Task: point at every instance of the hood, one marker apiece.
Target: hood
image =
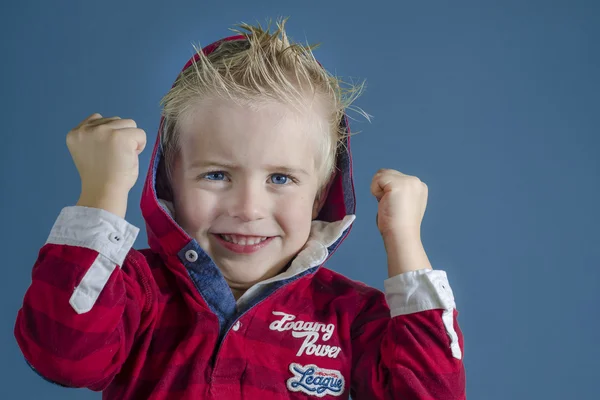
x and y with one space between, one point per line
168 239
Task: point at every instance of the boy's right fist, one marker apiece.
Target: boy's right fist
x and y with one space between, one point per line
106 154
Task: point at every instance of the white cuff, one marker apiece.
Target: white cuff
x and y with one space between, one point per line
421 290
96 229
414 291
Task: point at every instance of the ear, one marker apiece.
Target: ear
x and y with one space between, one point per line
317 205
163 188
321 197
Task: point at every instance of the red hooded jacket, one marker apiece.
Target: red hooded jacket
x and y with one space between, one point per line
162 323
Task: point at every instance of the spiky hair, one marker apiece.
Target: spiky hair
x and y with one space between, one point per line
263 66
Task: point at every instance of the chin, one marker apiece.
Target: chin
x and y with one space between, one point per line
246 279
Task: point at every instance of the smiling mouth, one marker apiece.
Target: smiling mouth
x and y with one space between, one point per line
243 240
242 244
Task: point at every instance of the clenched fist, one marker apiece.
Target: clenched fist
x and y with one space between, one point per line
402 202
106 154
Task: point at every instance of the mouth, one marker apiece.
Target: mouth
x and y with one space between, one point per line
242 244
243 239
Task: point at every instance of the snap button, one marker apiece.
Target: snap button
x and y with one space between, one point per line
191 255
115 238
236 326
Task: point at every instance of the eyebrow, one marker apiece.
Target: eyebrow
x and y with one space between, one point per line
204 164
225 165
286 170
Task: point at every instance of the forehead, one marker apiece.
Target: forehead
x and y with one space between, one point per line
272 133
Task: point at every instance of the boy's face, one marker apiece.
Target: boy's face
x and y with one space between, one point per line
243 176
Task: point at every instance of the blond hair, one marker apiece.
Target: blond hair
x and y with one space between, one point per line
260 67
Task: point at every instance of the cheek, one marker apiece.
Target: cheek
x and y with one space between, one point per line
195 210
295 213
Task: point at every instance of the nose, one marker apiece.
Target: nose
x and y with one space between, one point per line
248 201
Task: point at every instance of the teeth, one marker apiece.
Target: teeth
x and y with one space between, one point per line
244 240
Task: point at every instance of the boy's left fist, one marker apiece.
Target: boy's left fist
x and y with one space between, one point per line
402 201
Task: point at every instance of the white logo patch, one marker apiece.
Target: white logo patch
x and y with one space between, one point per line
310 331
315 381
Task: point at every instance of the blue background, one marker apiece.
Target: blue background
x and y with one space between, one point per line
493 104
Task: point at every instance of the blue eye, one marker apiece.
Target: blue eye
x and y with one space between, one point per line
279 179
215 176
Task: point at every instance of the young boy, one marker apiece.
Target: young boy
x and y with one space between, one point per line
248 193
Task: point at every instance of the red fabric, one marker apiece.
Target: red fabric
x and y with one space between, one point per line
151 335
